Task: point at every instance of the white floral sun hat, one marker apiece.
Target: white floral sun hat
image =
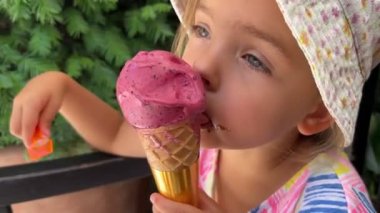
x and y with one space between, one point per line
341 41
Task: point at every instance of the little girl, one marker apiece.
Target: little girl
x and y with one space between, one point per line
283 85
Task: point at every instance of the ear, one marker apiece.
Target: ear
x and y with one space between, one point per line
318 120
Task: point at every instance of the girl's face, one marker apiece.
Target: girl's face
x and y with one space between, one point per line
258 83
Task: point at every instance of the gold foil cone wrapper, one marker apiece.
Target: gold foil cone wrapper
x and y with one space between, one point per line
172 153
180 186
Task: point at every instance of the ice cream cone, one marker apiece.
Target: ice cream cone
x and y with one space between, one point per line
163 98
172 153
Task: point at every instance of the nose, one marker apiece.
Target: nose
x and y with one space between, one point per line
208 67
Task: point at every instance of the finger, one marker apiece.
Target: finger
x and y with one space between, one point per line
165 205
206 203
15 120
29 123
155 210
47 117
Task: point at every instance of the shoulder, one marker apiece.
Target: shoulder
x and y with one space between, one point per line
334 186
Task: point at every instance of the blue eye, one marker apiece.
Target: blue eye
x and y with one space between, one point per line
255 63
200 31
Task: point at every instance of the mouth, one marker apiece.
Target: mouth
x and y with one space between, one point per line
206 122
209 125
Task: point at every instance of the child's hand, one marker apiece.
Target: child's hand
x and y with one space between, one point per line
36 105
164 205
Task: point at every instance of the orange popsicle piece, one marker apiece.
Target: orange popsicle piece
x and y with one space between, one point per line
41 146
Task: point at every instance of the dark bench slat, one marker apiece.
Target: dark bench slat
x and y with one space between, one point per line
6 209
44 179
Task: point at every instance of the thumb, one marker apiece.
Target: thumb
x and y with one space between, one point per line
208 204
163 204
44 127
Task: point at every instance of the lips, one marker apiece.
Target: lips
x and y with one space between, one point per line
205 121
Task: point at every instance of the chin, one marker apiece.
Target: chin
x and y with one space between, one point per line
209 140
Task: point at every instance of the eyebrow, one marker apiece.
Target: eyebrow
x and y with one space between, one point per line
250 29
203 8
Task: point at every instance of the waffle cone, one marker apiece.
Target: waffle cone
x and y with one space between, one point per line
172 152
170 148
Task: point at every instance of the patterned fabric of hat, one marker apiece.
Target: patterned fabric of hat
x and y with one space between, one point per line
341 41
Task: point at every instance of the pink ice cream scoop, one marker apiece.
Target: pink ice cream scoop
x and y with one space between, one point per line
157 88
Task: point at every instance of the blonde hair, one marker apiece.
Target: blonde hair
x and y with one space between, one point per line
332 138
181 37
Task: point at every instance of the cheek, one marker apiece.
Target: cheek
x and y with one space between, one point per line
192 50
257 117
187 56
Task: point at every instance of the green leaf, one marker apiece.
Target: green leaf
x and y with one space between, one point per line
48 11
143 21
20 36
95 6
86 63
97 18
12 81
17 9
17 80
5 81
44 39
75 23
148 13
162 7
133 23
161 32
36 66
73 67
76 64
103 74
4 67
117 50
5 39
138 44
9 54
102 82
94 40
107 5
85 6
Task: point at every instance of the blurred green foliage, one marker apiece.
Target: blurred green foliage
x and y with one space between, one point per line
371 173
88 39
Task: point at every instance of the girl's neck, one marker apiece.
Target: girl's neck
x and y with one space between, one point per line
267 158
252 175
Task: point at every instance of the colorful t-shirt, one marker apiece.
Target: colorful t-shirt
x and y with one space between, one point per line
328 183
